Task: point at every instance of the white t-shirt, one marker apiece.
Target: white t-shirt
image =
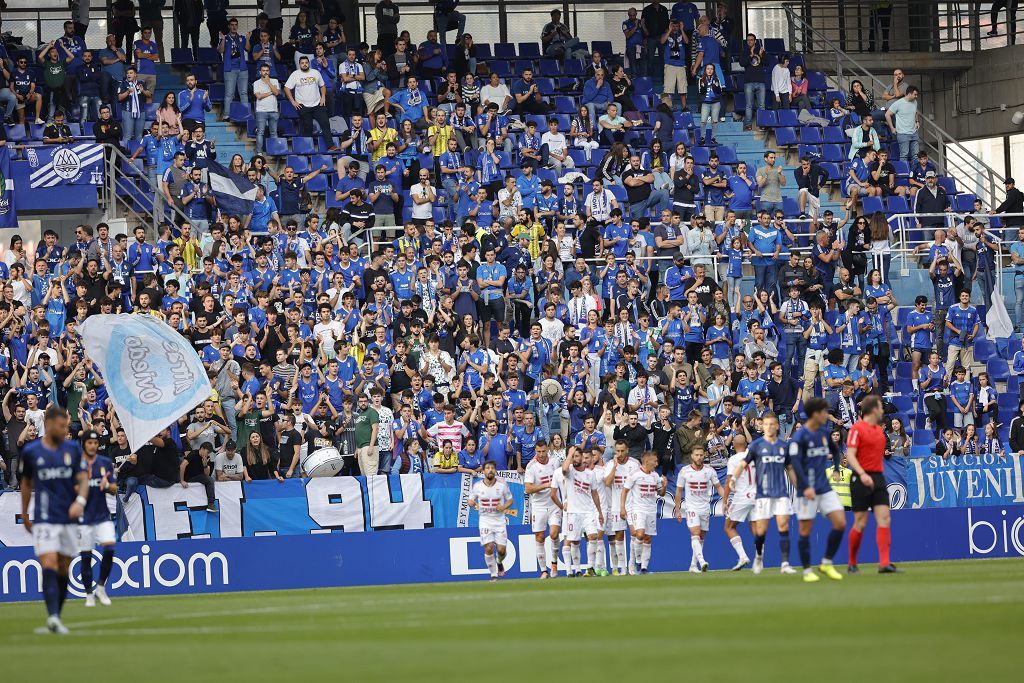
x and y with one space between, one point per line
328 332
697 486
231 467
643 488
265 103
597 481
426 210
490 93
600 205
552 330
744 488
488 500
554 141
641 395
305 86
350 69
580 484
622 472
385 435
537 473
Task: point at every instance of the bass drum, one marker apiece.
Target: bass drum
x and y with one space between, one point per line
323 462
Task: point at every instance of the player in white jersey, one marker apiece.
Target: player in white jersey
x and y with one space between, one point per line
616 471
492 499
643 488
695 483
583 507
599 561
740 505
545 516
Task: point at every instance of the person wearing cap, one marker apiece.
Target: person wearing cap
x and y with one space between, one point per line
195 469
1013 203
228 465
931 199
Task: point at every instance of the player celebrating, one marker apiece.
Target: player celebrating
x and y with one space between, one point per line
771 457
696 483
616 472
599 561
96 527
738 507
583 508
545 517
645 487
864 449
491 498
54 469
811 451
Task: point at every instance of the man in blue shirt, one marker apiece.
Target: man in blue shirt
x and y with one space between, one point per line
770 455
811 453
741 193
234 47
963 323
943 273
490 277
194 102
114 62
765 244
412 103
527 95
715 183
54 470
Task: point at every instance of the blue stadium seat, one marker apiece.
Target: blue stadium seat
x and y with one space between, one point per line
727 155
503 69
785 137
872 204
181 56
700 155
831 169
684 120
302 145
604 47
299 163
276 147
809 150
998 369
506 51
317 184
767 118
816 82
948 184
897 204
834 135
923 437
788 118
240 112
529 50
963 202
775 46
790 206
209 55
643 86
619 192
833 154
483 52
810 135
901 166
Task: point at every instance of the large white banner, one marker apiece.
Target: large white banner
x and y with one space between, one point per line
153 374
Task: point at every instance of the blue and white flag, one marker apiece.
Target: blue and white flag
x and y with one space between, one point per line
8 214
153 374
76 164
234 193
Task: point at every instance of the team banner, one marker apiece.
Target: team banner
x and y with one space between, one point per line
153 374
194 566
75 164
963 481
8 212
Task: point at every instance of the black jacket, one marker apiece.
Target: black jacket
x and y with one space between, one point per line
1017 434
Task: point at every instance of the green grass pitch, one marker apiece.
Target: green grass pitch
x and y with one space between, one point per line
940 621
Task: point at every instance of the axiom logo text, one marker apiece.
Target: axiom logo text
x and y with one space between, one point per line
139 570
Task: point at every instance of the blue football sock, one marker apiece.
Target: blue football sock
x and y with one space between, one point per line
835 537
784 545
804 546
51 592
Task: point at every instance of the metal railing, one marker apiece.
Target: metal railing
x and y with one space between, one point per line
119 189
909 25
957 160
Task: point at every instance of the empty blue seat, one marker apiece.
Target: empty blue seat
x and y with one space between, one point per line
813 151
816 82
505 51
643 86
767 118
835 135
317 183
923 437
897 204
529 50
948 184
501 68
810 135
700 155
276 147
963 203
785 137
302 145
998 369
299 163
872 204
727 155
832 153
832 170
788 118
775 46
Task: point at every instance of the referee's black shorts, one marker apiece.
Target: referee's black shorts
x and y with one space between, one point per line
863 498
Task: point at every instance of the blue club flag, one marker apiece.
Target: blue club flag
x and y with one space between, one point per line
234 193
8 214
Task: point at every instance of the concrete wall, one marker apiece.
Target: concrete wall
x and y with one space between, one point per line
997 77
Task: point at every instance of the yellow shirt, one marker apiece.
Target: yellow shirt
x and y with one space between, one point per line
385 136
443 462
440 144
535 232
189 252
841 487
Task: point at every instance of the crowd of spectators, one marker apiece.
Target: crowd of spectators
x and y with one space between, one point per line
463 300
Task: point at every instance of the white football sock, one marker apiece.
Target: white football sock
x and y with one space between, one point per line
698 553
737 545
542 557
492 565
634 546
645 555
592 554
602 555
574 557
620 555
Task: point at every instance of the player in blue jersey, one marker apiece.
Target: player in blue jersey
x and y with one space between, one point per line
96 527
811 452
53 468
771 462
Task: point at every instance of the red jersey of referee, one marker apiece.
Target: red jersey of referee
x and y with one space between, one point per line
869 440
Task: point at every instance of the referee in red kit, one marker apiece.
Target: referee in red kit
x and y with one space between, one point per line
865 448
